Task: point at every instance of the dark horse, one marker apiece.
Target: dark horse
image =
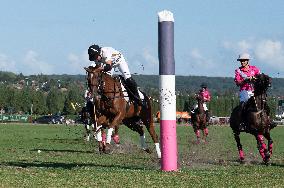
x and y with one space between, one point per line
255 116
199 120
112 108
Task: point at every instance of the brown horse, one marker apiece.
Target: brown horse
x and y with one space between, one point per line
256 118
199 120
112 108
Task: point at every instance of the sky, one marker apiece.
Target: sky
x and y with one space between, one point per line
52 36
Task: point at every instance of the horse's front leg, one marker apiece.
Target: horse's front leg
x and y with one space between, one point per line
205 134
100 135
115 136
262 148
116 121
197 132
239 145
270 141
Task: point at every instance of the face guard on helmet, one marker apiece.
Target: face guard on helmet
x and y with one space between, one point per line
94 51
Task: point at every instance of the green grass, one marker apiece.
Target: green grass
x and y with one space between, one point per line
66 160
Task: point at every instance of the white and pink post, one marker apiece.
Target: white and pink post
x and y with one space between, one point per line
167 91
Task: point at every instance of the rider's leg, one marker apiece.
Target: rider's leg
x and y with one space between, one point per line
194 108
130 82
206 112
133 88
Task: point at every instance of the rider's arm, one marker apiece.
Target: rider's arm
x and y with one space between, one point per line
108 66
239 80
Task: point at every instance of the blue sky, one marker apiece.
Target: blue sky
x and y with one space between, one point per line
52 36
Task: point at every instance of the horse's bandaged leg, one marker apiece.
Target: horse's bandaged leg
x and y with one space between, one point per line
93 126
116 138
241 154
99 136
87 127
206 131
158 150
197 133
103 136
109 133
261 146
142 142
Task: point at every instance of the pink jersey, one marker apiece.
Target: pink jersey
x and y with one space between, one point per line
205 95
241 74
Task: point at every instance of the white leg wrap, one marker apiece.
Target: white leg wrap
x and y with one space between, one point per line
158 150
88 127
99 136
93 126
142 142
109 133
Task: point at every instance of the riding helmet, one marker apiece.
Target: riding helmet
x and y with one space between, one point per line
94 51
203 85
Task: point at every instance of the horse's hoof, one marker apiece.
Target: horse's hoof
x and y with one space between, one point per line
147 150
107 149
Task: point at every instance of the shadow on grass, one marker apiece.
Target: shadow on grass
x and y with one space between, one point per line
70 166
61 151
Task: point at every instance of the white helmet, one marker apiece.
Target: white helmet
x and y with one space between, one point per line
244 56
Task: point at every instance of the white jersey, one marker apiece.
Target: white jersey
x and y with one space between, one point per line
110 54
117 59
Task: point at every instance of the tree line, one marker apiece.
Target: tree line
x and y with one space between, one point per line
51 94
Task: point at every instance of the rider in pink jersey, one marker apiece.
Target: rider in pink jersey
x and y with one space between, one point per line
206 96
243 76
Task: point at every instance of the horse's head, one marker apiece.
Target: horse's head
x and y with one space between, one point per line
93 78
261 83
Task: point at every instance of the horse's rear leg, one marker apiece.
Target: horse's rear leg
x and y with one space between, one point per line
239 145
197 133
151 129
205 134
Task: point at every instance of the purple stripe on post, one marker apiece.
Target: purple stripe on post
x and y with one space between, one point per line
166 48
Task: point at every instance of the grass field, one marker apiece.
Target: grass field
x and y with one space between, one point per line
57 156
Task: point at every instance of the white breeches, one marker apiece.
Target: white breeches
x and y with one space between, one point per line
204 106
245 95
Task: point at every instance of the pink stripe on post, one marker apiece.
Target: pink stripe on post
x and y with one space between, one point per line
169 145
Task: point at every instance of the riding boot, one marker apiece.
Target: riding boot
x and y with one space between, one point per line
132 86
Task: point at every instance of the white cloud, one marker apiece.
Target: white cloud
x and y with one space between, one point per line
7 64
149 57
271 53
238 47
77 63
33 65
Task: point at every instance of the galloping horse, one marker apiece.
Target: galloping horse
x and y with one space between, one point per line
199 120
112 108
256 118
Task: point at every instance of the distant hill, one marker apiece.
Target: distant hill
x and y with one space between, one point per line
150 83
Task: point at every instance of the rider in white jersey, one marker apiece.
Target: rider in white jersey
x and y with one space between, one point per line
110 59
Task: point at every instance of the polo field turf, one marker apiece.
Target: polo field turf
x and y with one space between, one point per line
57 155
